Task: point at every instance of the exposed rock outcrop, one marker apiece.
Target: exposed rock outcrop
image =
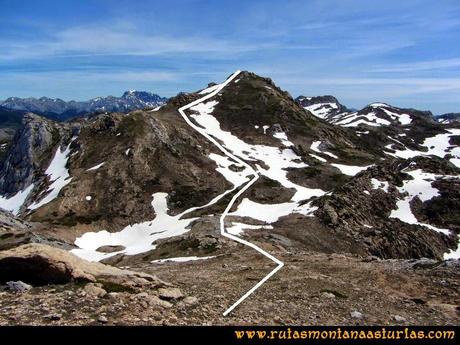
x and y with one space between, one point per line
39 264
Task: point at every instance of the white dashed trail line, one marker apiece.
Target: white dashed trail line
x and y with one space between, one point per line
255 175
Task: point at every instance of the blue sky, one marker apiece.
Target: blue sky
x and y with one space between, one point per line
406 53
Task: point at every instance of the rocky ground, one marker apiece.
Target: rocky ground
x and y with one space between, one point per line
312 289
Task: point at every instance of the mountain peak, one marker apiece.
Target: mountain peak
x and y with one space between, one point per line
324 107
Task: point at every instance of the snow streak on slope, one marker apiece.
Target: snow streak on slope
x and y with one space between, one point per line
183 259
350 170
355 119
322 110
58 175
96 166
277 160
315 147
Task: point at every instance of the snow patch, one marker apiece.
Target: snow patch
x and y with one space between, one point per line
350 170
270 213
136 238
276 160
403 119
223 167
321 110
283 138
437 146
453 254
15 202
238 228
377 184
183 259
419 186
369 119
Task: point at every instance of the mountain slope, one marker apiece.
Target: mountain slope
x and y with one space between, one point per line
324 107
373 115
122 185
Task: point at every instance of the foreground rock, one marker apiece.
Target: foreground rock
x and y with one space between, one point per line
381 292
39 264
18 286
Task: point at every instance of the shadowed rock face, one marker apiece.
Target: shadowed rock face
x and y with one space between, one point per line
34 270
32 147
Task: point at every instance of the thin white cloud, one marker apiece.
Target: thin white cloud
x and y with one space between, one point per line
419 66
110 75
118 40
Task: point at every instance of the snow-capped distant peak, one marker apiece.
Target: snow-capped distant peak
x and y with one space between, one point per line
373 115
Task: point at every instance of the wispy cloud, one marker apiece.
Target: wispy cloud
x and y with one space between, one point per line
419 66
119 39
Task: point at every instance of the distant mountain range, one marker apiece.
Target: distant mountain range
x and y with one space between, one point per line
326 107
58 109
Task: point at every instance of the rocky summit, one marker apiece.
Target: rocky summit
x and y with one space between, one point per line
145 216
